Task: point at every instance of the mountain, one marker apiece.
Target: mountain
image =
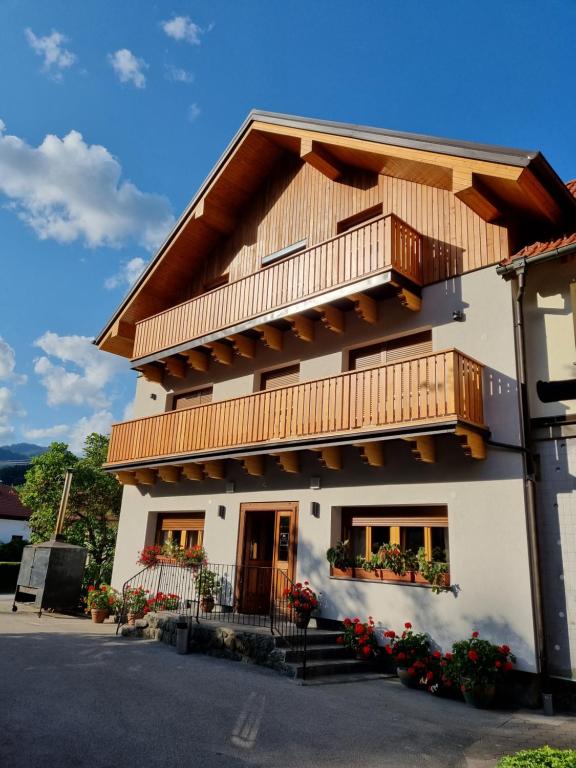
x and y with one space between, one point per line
20 451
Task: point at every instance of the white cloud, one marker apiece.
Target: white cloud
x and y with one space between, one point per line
9 409
193 112
181 28
85 383
128 67
66 190
56 57
99 422
179 75
127 275
8 364
47 433
2 126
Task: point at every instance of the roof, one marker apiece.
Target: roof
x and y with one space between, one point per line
11 508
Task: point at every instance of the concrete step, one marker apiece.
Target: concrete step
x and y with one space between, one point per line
316 637
318 668
318 652
351 677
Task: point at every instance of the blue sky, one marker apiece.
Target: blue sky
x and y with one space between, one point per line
114 112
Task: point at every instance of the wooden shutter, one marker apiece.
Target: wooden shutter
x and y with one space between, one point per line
391 351
189 522
368 357
404 517
196 397
280 377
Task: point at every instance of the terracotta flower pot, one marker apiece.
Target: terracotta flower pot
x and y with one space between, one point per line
407 679
99 614
131 617
301 619
207 604
479 696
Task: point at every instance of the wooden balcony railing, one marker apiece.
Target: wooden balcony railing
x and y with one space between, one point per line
380 245
430 389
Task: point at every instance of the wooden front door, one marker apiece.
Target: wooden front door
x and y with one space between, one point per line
266 553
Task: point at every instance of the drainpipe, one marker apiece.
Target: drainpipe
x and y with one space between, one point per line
530 491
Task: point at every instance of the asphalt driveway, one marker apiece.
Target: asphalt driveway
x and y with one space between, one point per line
73 694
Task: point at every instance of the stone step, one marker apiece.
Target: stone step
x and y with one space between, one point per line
318 652
316 637
351 677
318 668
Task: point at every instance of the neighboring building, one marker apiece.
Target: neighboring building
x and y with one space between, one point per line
14 515
544 276
326 351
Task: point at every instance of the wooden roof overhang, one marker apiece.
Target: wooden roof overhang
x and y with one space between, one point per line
513 187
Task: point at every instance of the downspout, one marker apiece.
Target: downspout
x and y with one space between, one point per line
529 483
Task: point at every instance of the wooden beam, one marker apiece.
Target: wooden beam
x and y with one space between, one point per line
214 216
289 461
332 318
472 443
123 330
330 457
193 472
176 367
423 448
271 336
126 478
198 360
152 372
253 465
313 153
410 300
214 469
302 327
540 197
146 476
169 474
222 353
468 188
245 346
366 308
372 453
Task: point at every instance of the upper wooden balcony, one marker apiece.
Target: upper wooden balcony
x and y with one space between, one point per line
380 256
439 392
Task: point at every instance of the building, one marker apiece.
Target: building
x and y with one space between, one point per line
14 516
326 352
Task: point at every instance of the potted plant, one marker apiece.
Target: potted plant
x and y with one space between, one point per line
477 666
340 559
359 636
192 557
435 572
303 601
135 599
149 555
162 602
410 651
101 601
207 584
169 553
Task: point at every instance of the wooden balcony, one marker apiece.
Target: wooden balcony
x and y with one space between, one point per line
441 392
383 252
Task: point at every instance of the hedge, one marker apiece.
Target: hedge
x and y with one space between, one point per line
545 757
8 576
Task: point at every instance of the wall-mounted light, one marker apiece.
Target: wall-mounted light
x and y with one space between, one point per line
221 512
153 396
315 509
230 486
315 484
458 315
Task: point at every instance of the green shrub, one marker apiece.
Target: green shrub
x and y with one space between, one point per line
8 576
545 757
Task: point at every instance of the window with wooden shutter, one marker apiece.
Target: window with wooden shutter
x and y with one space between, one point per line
391 351
195 397
280 377
184 530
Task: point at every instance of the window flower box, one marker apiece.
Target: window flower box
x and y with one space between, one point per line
341 573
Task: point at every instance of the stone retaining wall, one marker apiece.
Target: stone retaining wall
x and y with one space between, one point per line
218 640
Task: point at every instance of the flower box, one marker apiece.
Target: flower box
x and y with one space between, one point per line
341 573
164 560
384 574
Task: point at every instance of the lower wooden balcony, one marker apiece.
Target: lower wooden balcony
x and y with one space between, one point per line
436 392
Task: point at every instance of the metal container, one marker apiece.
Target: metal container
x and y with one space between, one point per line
51 575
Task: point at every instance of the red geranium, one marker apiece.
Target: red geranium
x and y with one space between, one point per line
359 636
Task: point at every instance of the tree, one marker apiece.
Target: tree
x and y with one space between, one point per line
93 506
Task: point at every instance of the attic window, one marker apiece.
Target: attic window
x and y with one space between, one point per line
359 218
290 250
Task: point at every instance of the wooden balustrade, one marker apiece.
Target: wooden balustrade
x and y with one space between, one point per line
430 389
375 247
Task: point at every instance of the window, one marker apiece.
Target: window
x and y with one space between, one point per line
368 528
290 250
186 530
280 377
391 351
359 218
195 397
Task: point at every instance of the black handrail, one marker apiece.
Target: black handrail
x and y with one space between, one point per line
239 594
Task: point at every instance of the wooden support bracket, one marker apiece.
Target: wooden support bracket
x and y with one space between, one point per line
193 472
169 474
468 188
176 367
366 308
199 361
330 457
289 461
332 318
302 326
245 346
253 465
152 372
126 478
423 448
146 476
372 453
214 469
222 353
472 443
313 153
271 336
410 300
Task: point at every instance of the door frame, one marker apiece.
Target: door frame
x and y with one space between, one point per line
272 506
